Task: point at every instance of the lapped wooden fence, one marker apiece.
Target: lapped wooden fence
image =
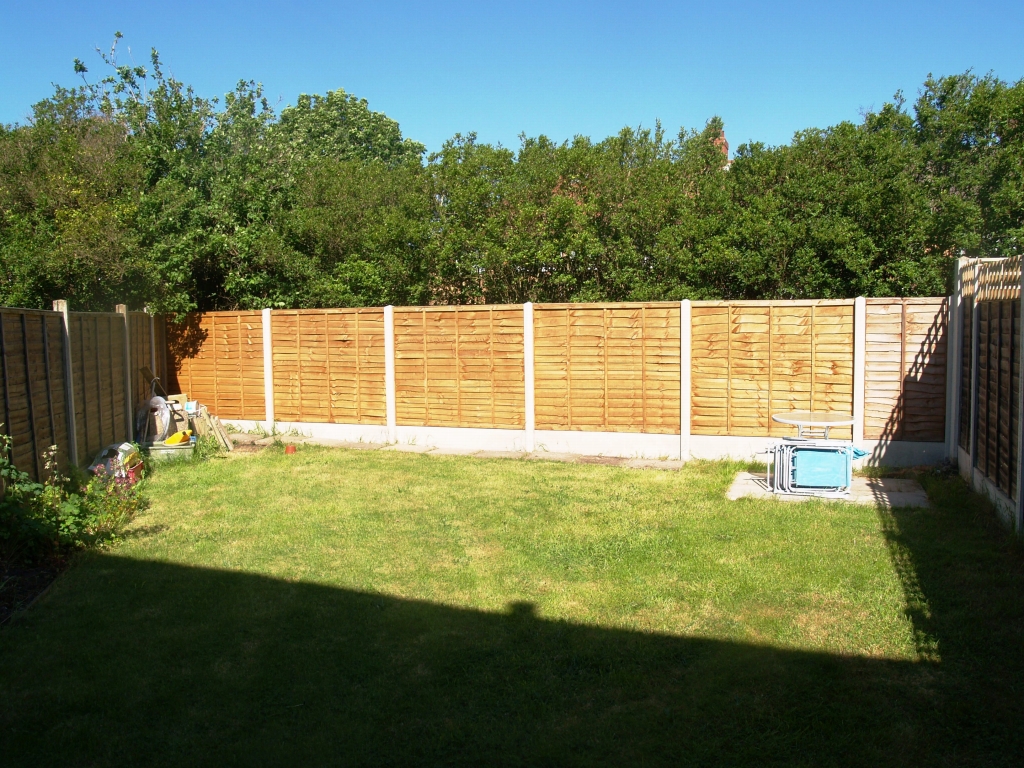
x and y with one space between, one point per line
989 371
73 379
612 368
905 369
753 359
34 398
219 359
329 365
580 367
700 369
458 367
98 364
593 367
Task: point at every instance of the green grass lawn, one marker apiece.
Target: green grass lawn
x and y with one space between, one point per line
363 607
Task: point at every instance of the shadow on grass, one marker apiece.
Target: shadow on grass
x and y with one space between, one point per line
133 662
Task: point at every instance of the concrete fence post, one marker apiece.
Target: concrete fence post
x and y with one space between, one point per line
954 346
122 310
685 373
268 370
860 349
974 330
389 373
60 305
530 420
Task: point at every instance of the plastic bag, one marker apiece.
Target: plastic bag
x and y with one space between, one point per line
121 462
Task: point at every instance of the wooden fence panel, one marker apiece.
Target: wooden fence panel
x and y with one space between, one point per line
164 363
607 367
97 364
998 391
709 368
751 383
217 359
905 370
141 347
598 367
51 386
329 366
750 360
32 403
460 367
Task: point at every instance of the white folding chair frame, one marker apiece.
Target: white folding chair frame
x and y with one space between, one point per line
781 461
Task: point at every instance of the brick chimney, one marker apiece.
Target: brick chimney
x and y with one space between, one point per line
723 144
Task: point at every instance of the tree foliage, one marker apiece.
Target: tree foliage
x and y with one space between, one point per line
340 126
135 188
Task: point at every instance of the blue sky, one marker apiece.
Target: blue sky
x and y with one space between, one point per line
768 69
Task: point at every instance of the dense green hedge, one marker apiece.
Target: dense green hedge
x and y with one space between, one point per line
135 188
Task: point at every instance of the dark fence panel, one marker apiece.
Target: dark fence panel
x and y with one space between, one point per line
998 390
32 401
97 365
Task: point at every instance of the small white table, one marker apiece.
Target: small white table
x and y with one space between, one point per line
814 423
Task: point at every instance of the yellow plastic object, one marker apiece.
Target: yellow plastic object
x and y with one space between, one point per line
179 437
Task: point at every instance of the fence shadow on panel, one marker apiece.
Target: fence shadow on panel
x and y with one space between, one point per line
917 401
185 340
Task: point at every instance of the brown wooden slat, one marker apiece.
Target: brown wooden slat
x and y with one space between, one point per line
217 359
754 359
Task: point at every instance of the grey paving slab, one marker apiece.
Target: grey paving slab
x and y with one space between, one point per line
885 491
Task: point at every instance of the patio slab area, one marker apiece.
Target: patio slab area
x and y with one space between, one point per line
883 491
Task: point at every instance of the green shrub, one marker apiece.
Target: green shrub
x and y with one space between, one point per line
49 520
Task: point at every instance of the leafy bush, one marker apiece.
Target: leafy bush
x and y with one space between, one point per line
137 189
49 520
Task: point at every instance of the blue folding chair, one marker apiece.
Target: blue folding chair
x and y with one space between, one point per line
812 467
